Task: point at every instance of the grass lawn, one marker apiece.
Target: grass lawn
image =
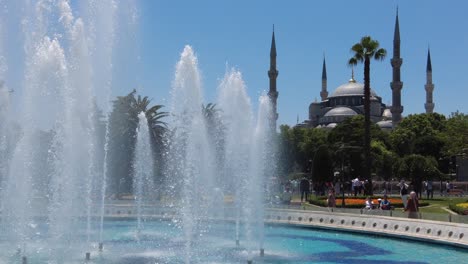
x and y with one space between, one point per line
436 205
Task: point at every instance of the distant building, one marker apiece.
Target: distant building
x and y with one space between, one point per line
272 75
348 99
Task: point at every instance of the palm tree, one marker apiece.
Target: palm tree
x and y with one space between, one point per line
364 51
123 122
153 115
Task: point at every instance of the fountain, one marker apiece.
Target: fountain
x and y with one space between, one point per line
52 169
54 173
192 152
143 168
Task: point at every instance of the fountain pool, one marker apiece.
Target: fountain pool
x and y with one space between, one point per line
163 241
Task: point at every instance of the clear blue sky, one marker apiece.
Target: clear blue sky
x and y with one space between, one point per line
238 33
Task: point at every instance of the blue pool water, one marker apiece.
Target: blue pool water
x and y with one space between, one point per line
163 242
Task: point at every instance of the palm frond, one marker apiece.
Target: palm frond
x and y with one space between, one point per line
352 61
380 54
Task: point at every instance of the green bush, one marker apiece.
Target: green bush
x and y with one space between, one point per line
459 208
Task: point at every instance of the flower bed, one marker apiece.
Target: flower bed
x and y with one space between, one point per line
359 202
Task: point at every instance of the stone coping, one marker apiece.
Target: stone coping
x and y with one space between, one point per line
454 234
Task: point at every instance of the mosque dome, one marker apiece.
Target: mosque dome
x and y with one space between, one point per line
340 111
387 114
385 124
351 88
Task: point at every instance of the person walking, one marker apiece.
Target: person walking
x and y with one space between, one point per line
331 201
403 192
304 187
429 189
412 206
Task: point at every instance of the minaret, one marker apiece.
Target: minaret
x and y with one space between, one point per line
396 83
429 105
324 92
273 74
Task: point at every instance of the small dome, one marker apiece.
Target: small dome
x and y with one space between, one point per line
331 125
385 124
340 111
387 114
351 89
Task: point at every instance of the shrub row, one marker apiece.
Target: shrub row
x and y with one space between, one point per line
461 208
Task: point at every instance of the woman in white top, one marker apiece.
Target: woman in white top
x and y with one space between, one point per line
369 203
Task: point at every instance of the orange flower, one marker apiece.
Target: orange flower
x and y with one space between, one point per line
362 201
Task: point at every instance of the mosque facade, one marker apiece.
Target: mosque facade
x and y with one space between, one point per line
347 100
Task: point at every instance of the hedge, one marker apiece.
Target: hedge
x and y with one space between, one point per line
460 208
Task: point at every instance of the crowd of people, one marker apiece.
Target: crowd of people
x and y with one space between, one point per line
410 193
410 199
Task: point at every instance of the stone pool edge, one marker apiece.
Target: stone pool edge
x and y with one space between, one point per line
452 234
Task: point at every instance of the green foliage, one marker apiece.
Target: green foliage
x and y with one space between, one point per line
423 124
456 134
297 147
422 146
123 121
417 168
461 210
402 141
351 132
367 47
421 134
215 129
322 168
383 160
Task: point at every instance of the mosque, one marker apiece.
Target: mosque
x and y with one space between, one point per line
348 99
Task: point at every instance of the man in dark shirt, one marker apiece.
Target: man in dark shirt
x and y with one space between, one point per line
304 188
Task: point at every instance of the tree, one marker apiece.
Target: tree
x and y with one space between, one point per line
297 147
364 51
456 134
123 121
322 166
158 129
349 136
383 159
215 129
286 154
121 145
417 168
423 134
